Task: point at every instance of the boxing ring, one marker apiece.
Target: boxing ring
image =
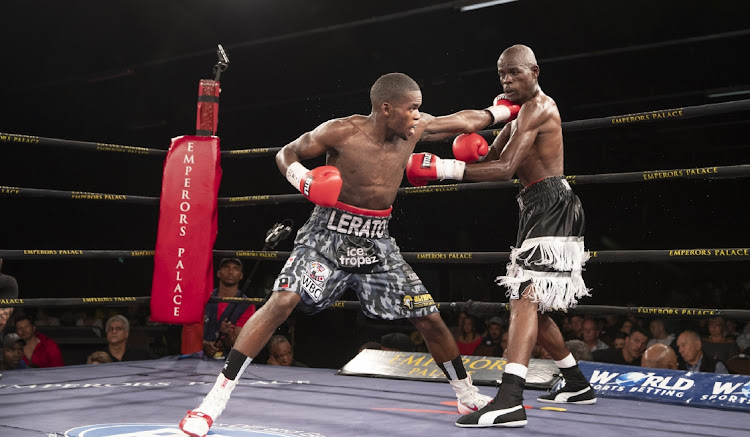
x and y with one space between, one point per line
149 397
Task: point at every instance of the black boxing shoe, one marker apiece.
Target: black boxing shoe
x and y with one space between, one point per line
505 410
570 395
576 389
513 416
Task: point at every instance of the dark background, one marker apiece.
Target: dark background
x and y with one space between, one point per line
127 73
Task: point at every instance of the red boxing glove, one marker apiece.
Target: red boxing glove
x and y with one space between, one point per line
469 147
322 185
500 100
423 167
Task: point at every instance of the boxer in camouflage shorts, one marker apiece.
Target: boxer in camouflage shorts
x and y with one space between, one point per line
345 243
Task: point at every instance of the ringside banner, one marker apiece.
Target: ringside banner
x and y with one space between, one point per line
715 390
183 260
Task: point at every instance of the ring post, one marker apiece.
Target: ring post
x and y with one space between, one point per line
183 259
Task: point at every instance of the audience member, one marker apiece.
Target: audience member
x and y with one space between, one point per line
659 333
118 331
631 352
490 344
619 341
580 350
659 356
575 328
99 357
731 329
40 350
717 345
223 321
626 325
396 341
692 357
468 339
43 318
458 327
591 336
94 319
12 352
280 352
8 290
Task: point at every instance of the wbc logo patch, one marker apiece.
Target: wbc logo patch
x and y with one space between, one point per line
314 280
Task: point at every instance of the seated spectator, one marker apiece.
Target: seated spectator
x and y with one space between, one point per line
458 327
118 331
631 352
591 336
659 356
619 341
12 352
99 357
8 290
575 329
92 319
42 318
659 333
692 357
717 345
223 320
396 341
490 345
626 325
468 339
580 350
40 350
280 352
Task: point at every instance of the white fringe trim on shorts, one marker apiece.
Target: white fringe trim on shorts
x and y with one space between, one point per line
558 290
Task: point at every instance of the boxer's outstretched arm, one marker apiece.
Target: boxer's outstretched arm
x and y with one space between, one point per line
468 120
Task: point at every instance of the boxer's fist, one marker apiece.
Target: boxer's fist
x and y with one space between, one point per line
469 147
423 167
500 100
322 185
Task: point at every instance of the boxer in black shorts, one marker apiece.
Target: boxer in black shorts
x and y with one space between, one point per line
345 243
544 272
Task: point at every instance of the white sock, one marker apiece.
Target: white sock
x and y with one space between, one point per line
566 362
516 369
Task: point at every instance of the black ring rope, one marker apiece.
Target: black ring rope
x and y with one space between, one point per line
568 126
479 309
597 256
716 172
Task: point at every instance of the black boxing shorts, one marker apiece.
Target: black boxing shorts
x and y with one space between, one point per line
349 247
549 252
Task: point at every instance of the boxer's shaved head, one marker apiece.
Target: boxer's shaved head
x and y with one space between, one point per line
518 54
391 88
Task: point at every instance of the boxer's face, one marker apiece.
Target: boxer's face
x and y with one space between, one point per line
404 116
518 80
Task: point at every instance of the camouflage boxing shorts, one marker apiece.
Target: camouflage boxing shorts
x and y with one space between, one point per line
349 247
